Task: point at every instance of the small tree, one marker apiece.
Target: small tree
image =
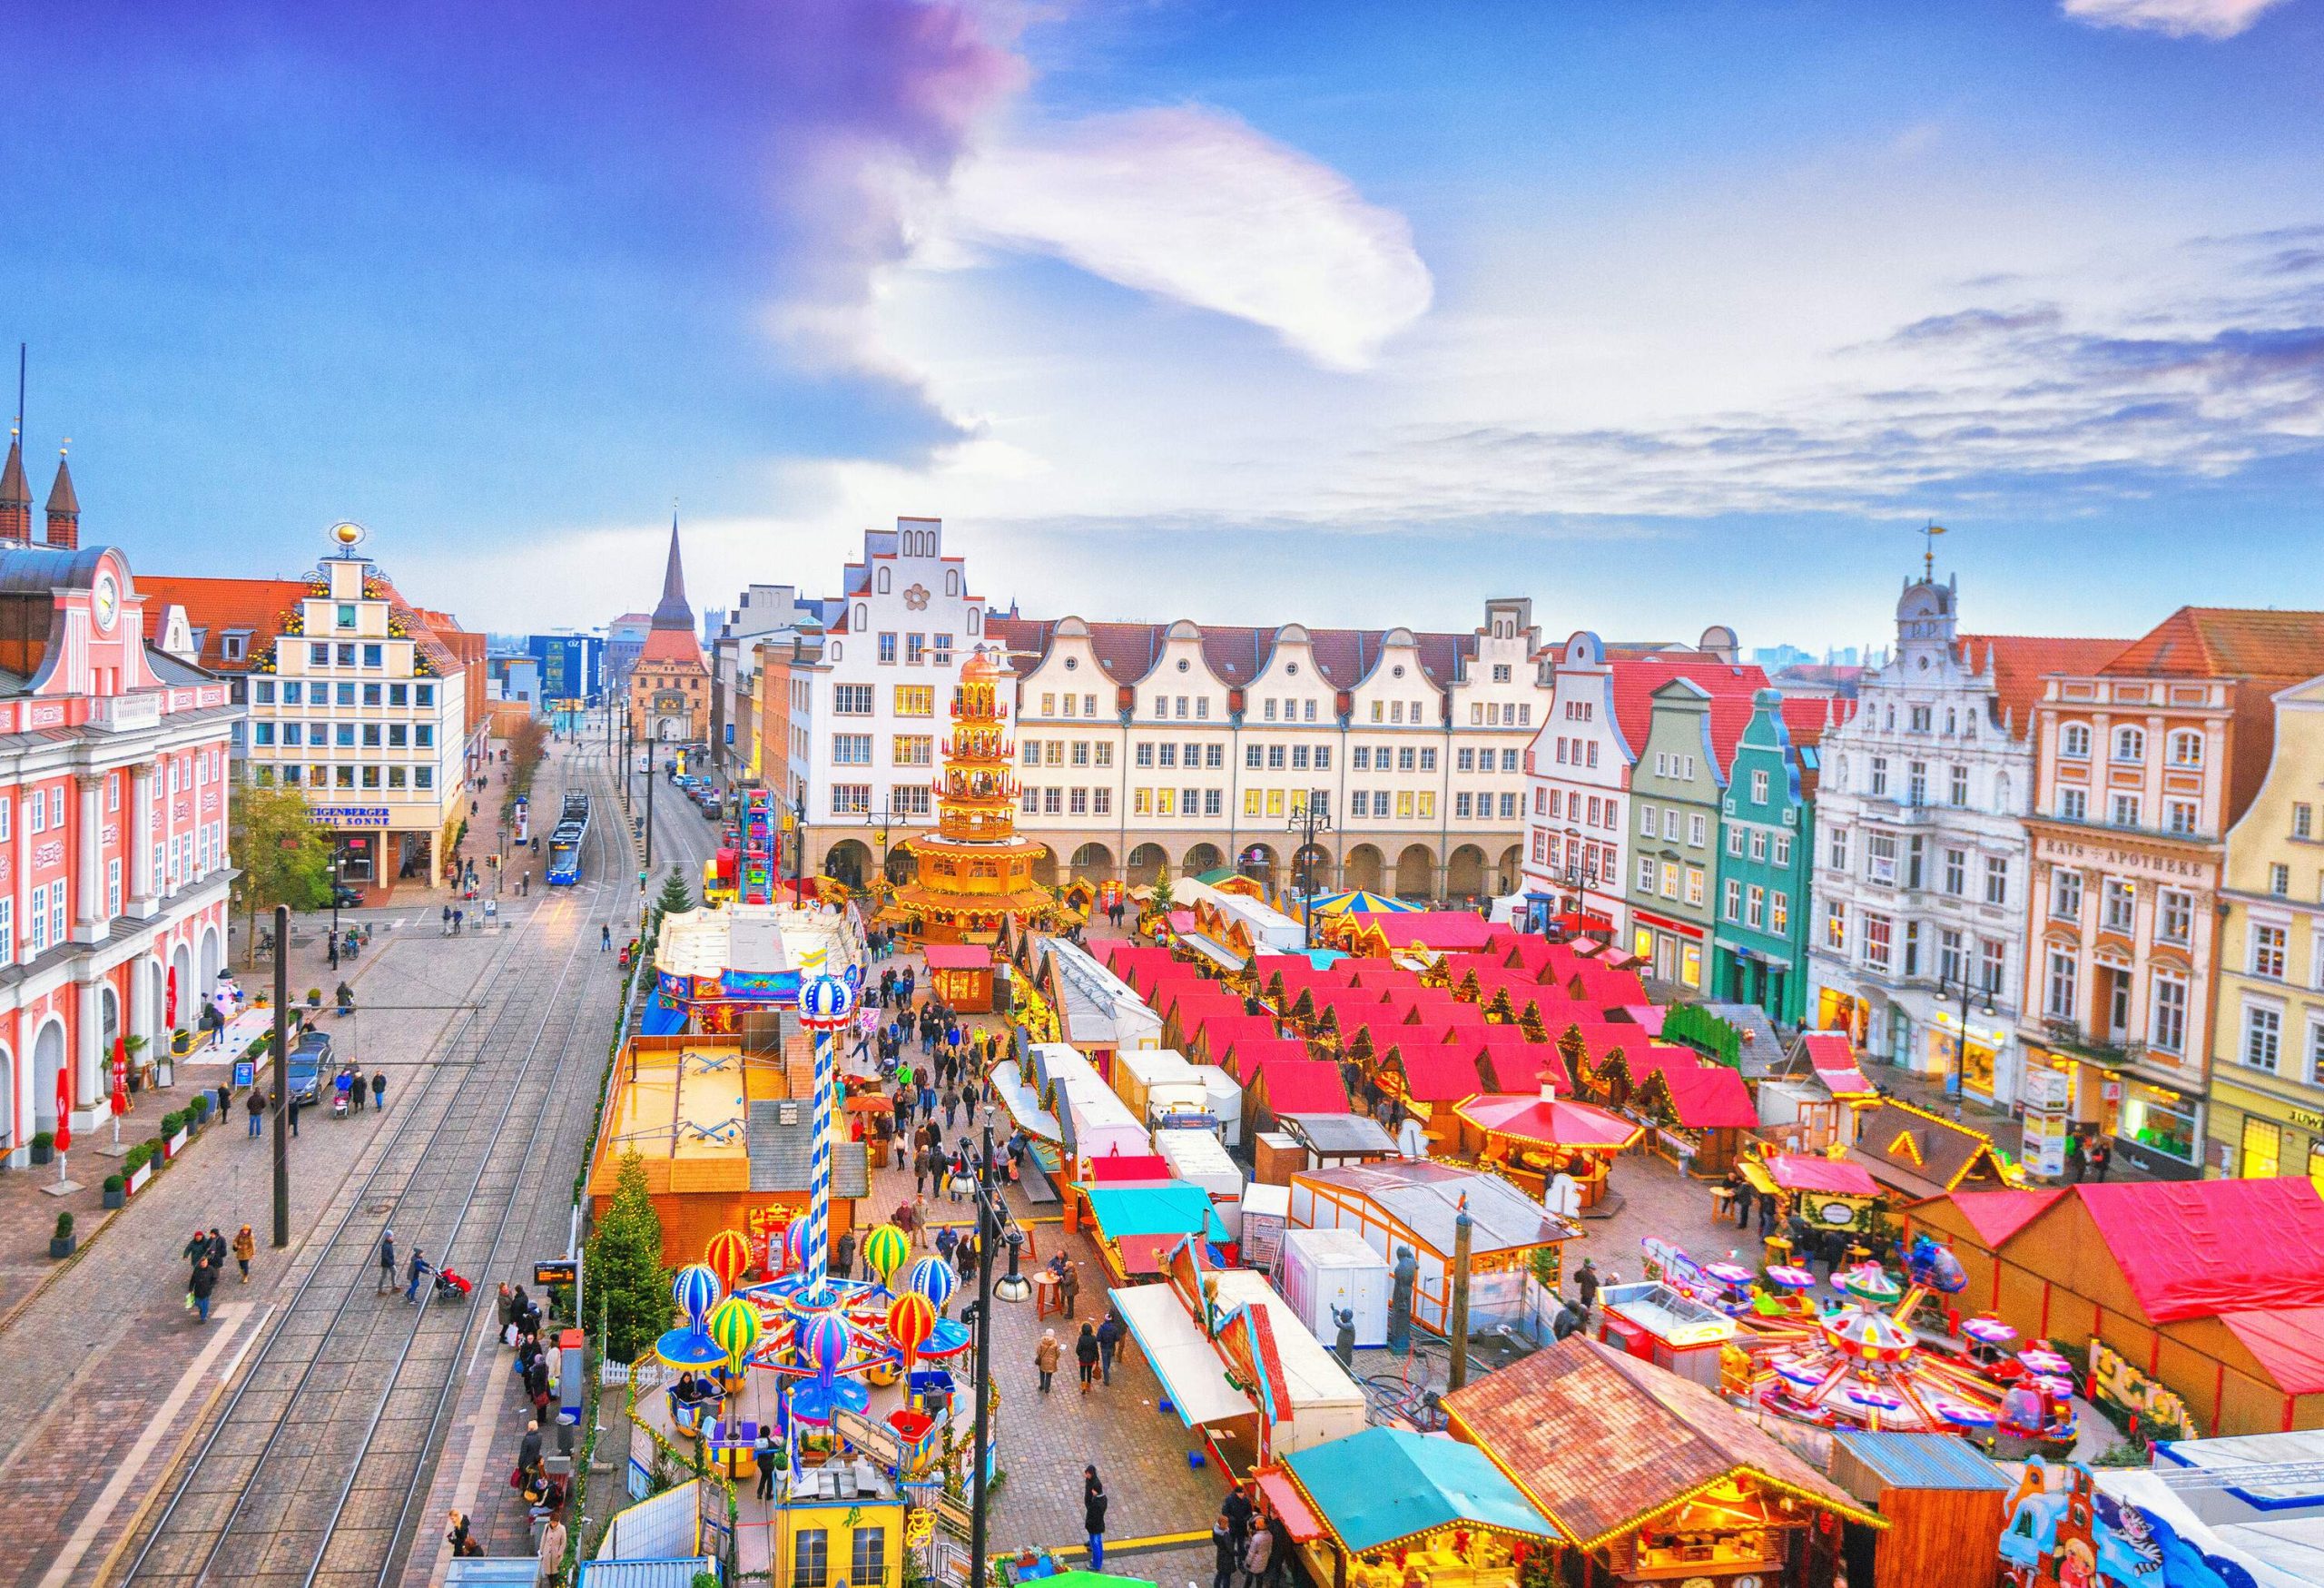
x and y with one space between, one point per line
283 857
528 747
676 898
627 1280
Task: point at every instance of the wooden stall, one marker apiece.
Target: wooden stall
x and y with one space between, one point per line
1942 1501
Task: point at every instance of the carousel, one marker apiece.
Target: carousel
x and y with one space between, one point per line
973 872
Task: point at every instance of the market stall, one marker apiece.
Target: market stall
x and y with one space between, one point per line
961 975
1391 1508
1533 1139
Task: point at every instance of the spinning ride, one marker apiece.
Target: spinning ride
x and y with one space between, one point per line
1862 1366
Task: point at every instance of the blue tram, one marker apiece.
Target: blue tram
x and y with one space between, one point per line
567 842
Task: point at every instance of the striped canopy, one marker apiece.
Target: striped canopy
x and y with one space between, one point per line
1359 902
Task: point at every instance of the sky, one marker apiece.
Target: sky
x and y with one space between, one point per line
1662 312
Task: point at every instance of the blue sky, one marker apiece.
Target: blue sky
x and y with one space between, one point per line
1662 313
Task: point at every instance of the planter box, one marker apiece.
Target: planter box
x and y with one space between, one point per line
60 1246
115 1198
144 1173
175 1144
43 1154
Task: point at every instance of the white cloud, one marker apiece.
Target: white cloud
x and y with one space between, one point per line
2210 19
1196 205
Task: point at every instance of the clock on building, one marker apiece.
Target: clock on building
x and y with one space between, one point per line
105 602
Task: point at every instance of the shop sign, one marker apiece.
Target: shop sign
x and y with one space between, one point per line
2046 1091
2045 1146
2306 1118
554 1271
348 815
760 984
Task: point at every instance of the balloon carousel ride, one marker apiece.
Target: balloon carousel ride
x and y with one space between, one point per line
1862 1366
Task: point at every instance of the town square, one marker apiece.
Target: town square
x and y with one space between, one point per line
1498 797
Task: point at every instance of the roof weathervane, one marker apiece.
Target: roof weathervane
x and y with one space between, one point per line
1929 532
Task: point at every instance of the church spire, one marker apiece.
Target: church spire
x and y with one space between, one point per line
671 611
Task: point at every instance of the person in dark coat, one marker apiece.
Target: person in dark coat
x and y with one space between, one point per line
1093 1511
1224 1555
386 1262
1085 1354
1585 1283
205 1281
1109 1338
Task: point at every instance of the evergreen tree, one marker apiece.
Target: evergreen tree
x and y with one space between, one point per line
676 898
629 1287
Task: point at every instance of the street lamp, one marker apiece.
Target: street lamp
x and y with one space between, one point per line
993 1226
1948 990
1312 817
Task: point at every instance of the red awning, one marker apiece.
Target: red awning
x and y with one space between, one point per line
1282 1498
1128 1168
1805 1171
957 956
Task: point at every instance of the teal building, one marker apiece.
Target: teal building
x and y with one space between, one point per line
1766 854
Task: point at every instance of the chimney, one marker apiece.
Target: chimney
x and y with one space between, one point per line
15 495
64 509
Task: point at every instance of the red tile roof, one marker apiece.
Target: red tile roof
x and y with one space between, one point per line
1636 680
2217 642
1808 719
2020 662
215 606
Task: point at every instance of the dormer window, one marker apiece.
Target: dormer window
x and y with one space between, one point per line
346 615
236 644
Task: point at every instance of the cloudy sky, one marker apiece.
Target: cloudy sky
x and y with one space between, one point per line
1661 312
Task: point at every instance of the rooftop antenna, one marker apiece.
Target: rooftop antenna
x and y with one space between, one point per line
1929 532
17 434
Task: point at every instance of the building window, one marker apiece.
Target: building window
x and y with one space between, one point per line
2304 818
1759 788
1836 927
2122 906
915 650
2059 999
810 1559
1836 849
1758 845
1698 830
1996 880
2267 951
2263 1033
852 749
1783 851
915 750
1880 858
914 699
1956 871
1880 776
1755 907
2130 745
2073 742
888 649
2174 916
1779 913
2279 879
1879 941
2167 1024
1735 841
2187 749
1917 783
2065 895
868 1561
1958 787
1646 873
1993 958
2074 804
2123 812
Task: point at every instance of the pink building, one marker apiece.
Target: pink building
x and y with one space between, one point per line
113 875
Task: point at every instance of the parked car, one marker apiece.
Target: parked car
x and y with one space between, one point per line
347 896
310 1062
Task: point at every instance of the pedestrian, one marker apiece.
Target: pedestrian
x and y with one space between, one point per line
1109 1339
844 1257
1258 1556
528 1448
1223 1557
604 940
255 1106
1586 1282
552 1550
1237 1509
1743 1194
762 1454
2101 1153
205 1280
197 1249
952 1107
245 1249
1766 1217
1085 1355
225 1099
418 1270
2075 1158
456 1533
378 1089
947 1241
1068 1284
386 1262
291 1111
1045 1358
1093 1516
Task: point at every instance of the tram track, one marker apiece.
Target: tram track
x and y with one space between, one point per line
308 1472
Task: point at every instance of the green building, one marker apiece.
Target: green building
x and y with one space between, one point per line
1675 792
1766 851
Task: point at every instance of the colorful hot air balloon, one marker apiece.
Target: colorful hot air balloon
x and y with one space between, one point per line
794 1244
734 1326
696 1290
911 1318
823 1341
886 1248
933 1277
728 1255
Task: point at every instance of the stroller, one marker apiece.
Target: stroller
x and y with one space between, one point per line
451 1287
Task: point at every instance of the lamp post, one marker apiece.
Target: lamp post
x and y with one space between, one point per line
1961 991
1312 817
993 1224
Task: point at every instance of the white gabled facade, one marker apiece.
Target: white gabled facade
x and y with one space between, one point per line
1920 870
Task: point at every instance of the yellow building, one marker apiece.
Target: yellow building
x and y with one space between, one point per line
2267 1092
